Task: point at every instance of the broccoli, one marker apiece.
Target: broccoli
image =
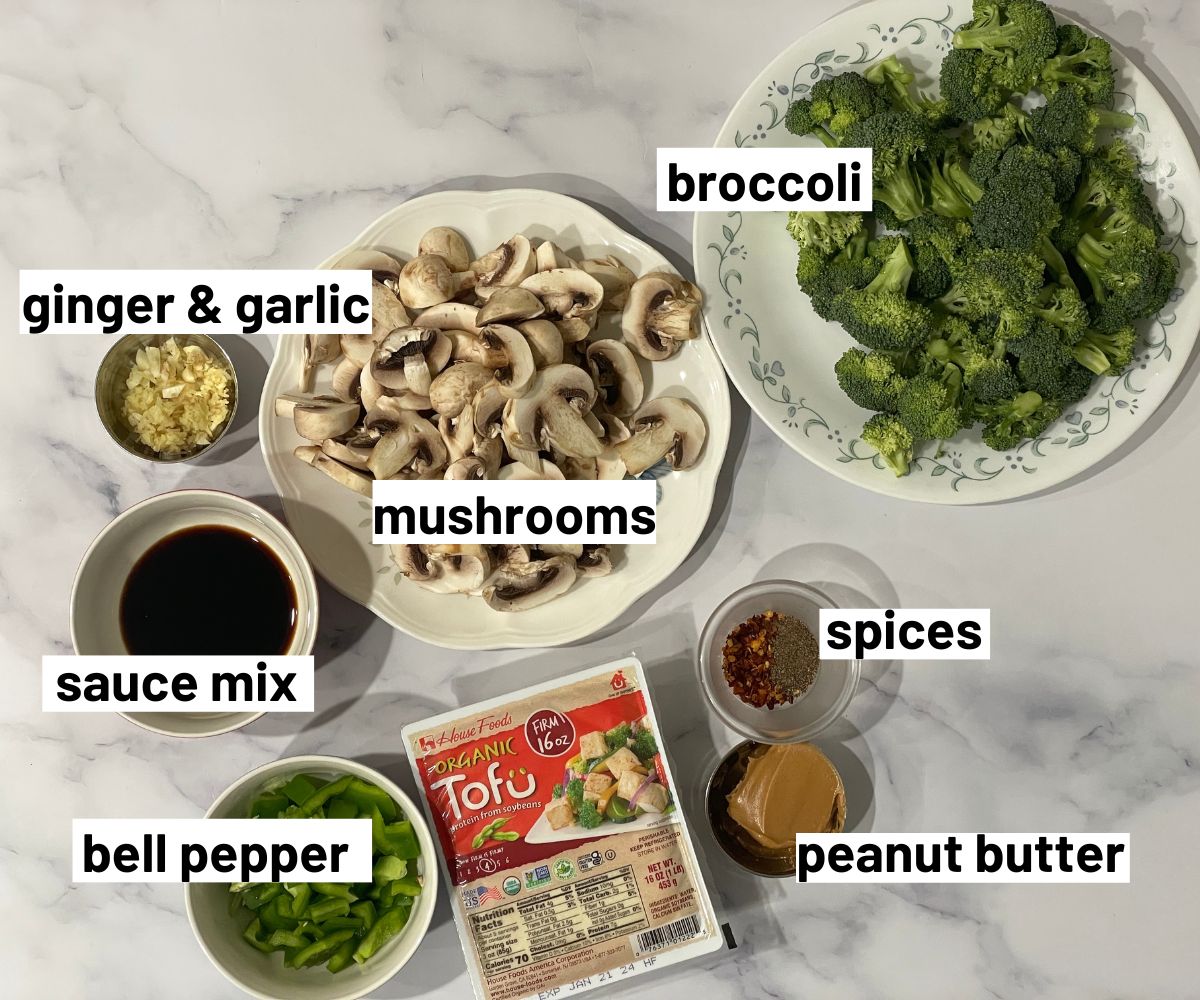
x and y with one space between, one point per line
1019 35
588 816
987 281
1061 307
826 232
870 380
1106 353
928 404
1010 421
1043 360
833 105
969 85
1066 119
998 131
952 191
574 793
822 278
644 745
931 274
896 140
888 436
1082 62
987 376
881 316
896 77
617 737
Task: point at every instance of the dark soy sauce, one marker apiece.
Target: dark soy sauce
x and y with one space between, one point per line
209 590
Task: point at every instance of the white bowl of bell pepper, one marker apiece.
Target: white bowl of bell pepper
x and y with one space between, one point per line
317 940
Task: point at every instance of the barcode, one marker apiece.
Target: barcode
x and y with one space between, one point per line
667 935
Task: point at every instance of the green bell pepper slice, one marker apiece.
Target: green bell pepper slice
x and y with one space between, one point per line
268 805
365 911
325 793
385 928
341 807
300 788
287 939
253 934
321 951
337 889
343 958
367 797
330 907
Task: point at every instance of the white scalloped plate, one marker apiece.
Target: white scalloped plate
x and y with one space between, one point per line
780 354
332 523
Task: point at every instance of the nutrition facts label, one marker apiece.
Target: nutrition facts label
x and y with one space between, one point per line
559 921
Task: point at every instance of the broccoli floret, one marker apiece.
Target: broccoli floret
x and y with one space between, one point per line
888 436
870 380
1043 359
1106 353
1083 63
969 85
952 191
881 316
833 105
896 140
616 737
897 78
1066 119
1020 35
1017 210
931 274
987 281
928 405
1130 277
1010 421
574 793
1062 307
987 376
644 745
588 816
822 278
989 379
998 131
827 232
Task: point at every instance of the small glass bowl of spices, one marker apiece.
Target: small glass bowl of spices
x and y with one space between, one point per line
760 665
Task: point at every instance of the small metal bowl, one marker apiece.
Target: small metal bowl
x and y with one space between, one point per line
734 841
110 391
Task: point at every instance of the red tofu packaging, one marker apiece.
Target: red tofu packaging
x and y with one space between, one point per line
560 835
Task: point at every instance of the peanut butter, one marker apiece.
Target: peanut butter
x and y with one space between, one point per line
787 790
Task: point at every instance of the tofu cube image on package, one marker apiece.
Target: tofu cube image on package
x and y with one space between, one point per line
592 745
595 785
621 761
559 814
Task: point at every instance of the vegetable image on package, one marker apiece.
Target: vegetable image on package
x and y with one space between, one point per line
567 858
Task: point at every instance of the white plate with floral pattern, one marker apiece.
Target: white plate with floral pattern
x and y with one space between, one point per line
333 524
780 354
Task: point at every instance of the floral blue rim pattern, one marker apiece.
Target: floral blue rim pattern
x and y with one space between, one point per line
1117 395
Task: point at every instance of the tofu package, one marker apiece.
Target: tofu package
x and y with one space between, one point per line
567 856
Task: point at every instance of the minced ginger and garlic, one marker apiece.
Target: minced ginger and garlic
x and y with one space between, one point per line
176 397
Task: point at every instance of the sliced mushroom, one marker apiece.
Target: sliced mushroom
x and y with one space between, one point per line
490 451
408 358
567 293
579 468
318 349
324 417
459 433
508 304
616 278
551 414
516 369
617 376
345 380
450 316
444 569
488 408
667 427
352 448
550 256
455 387
662 311
286 403
387 312
412 448
383 266
520 586
448 244
352 479
545 342
428 280
509 264
502 554
596 560
467 467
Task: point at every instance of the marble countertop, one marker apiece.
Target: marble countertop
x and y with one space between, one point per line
210 134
